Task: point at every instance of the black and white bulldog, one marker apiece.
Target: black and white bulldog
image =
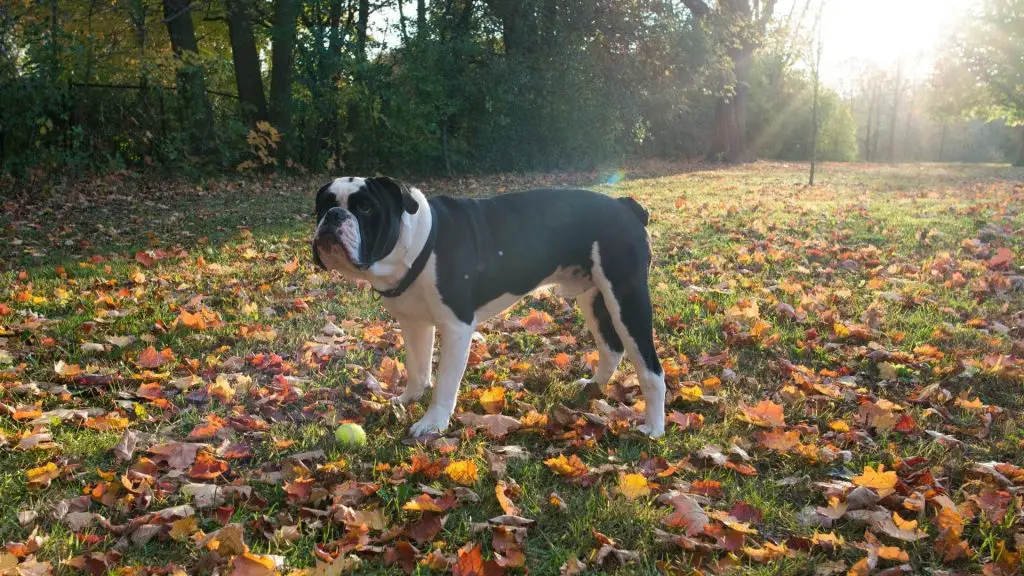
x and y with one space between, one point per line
450 263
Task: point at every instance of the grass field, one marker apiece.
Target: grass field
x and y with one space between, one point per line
845 365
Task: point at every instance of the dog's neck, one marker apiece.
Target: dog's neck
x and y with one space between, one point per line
389 271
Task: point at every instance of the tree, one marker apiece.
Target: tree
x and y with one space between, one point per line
282 64
191 81
741 26
897 92
248 76
817 88
992 53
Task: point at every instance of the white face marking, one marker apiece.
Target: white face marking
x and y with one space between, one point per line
351 241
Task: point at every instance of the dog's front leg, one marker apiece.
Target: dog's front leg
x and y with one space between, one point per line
455 341
419 354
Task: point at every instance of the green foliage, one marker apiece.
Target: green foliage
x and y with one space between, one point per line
780 121
485 85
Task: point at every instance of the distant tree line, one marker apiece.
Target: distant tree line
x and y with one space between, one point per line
449 86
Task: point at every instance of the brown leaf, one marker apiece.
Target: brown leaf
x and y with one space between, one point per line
686 421
126 446
177 455
688 513
493 425
426 529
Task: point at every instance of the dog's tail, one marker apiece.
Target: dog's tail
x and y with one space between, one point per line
638 210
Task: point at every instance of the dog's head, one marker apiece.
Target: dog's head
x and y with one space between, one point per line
358 222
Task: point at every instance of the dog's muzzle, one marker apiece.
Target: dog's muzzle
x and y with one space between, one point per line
329 237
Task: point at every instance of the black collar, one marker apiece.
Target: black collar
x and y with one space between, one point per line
417 266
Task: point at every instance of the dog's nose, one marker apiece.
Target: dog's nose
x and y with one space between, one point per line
335 216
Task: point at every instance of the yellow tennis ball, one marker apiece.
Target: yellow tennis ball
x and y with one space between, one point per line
350 435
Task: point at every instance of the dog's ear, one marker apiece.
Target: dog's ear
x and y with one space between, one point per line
399 193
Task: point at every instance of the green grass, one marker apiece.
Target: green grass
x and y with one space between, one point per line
720 237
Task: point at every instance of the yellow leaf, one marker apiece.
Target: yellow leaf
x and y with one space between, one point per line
878 479
893 553
841 330
221 388
183 528
291 266
463 472
633 486
40 477
690 393
571 466
827 540
909 525
493 400
107 422
839 426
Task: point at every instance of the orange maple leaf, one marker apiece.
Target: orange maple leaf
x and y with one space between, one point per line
766 413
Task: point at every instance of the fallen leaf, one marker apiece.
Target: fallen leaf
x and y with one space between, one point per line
633 486
766 414
571 466
493 399
42 476
504 492
493 425
462 472
688 513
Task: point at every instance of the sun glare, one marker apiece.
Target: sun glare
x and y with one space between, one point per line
885 32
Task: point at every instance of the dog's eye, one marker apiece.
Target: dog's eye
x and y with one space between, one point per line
363 209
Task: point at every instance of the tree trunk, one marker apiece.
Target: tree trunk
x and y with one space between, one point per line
895 111
191 81
333 127
361 24
906 137
729 140
942 144
817 84
248 77
401 22
283 38
1020 153
867 133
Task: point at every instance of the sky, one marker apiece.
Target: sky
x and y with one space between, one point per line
858 32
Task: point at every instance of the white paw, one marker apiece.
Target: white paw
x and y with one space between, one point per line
428 424
407 397
653 432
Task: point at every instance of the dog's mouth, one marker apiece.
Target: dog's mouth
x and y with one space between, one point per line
328 243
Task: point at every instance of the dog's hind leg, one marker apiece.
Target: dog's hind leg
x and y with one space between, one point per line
609 346
627 297
419 354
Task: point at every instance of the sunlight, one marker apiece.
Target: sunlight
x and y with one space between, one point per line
884 32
